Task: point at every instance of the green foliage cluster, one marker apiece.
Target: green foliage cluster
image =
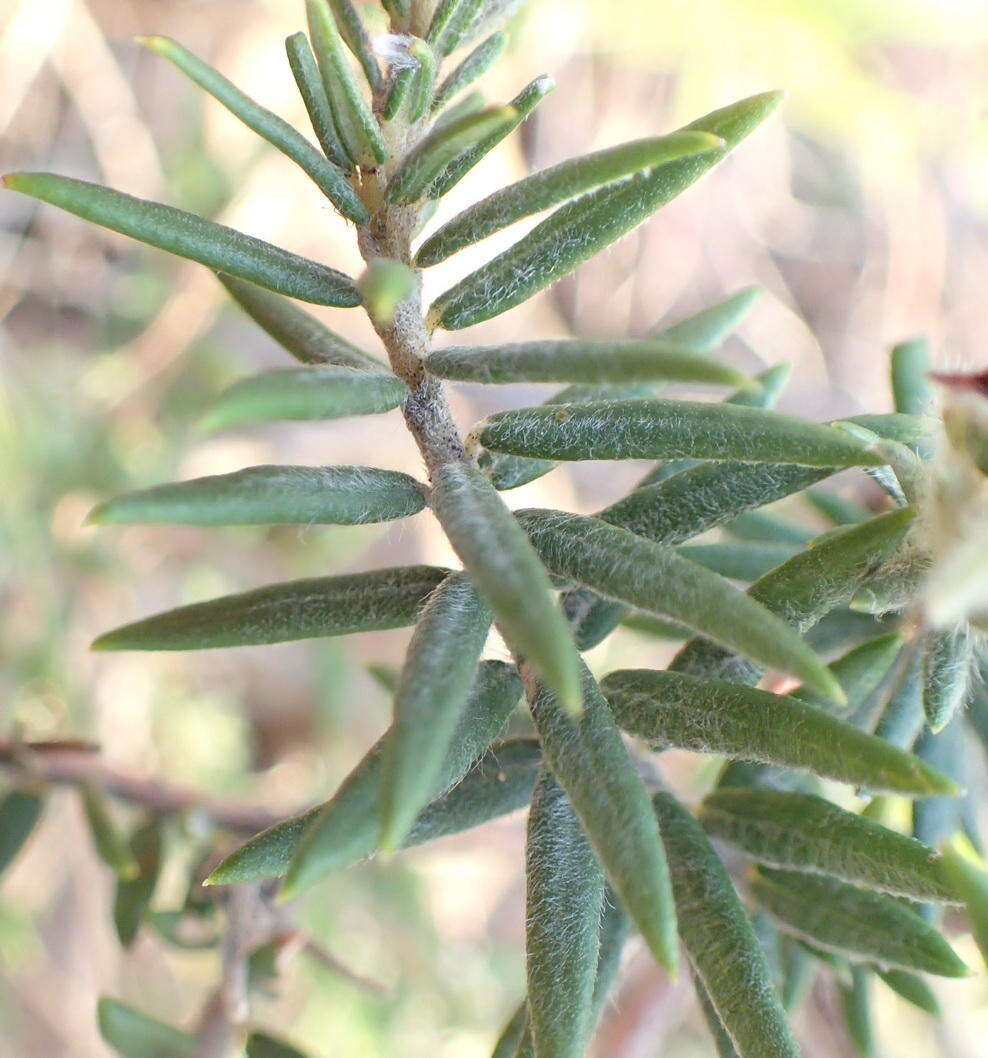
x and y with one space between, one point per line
610 850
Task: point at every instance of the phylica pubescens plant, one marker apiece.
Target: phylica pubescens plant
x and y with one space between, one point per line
609 853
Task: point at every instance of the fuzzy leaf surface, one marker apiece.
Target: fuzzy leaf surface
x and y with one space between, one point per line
300 609
655 578
588 758
432 695
505 567
187 235
864 926
270 495
719 938
713 716
806 833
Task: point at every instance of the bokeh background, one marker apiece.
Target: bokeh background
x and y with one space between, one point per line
863 212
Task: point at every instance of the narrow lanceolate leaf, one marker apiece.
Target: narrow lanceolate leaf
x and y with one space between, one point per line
352 115
323 392
807 833
855 996
327 176
523 104
705 330
565 892
187 235
272 495
806 588
585 226
111 846
654 578
19 814
135 1035
766 527
968 874
713 716
295 330
910 383
506 569
305 70
581 360
719 938
840 510
433 693
442 146
864 926
902 718
860 671
559 184
450 21
669 429
473 67
936 819
133 894
722 1042
354 32
947 670
588 758
299 609
349 825
913 989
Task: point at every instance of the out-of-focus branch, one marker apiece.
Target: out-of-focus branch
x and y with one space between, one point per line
70 764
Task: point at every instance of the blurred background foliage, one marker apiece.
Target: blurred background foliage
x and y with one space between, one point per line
864 214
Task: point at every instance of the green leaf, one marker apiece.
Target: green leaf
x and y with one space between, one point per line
669 429
588 758
111 847
354 32
423 80
855 998
866 927
766 527
910 384
506 569
432 695
654 578
135 1035
451 19
349 825
385 285
838 509
133 894
422 165
799 970
895 426
947 671
270 495
295 330
912 988
902 718
401 85
581 360
299 609
305 70
559 184
657 627
745 562
319 392
19 814
564 900
510 1038
261 1045
806 588
355 122
327 176
725 1048
705 330
585 226
936 819
713 716
523 104
720 940
968 875
859 672
187 235
471 69
806 833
